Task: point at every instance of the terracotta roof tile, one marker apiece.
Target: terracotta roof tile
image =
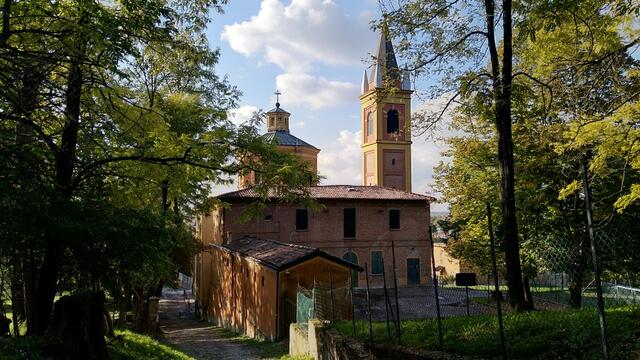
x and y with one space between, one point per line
342 192
278 255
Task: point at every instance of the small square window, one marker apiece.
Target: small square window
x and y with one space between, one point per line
268 217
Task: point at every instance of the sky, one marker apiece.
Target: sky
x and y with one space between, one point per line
314 52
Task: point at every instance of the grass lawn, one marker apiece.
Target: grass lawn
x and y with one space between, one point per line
566 334
133 346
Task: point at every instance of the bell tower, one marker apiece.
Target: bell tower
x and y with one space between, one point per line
386 121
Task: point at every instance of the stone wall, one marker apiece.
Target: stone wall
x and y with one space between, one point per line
324 343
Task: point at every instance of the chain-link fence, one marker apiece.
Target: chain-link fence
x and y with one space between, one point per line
561 289
329 302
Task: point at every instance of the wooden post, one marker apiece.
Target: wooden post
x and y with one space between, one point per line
366 269
395 283
386 299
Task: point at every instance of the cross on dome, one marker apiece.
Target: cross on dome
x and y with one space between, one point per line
277 93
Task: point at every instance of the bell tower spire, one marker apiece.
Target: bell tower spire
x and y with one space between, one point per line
386 121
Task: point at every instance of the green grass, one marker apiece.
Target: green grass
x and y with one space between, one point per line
298 357
266 349
9 314
137 346
16 348
133 346
567 334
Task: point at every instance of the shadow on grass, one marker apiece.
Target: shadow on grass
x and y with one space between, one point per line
266 349
138 346
565 334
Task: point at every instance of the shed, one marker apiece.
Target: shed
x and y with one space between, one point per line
254 284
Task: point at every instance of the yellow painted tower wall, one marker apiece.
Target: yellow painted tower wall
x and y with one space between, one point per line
375 145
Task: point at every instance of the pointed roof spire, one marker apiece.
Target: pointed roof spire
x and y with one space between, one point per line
365 83
406 80
385 55
377 75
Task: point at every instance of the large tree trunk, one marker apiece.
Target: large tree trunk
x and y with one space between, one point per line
577 274
505 157
65 161
78 323
502 79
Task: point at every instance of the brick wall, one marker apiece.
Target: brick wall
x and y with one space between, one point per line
325 231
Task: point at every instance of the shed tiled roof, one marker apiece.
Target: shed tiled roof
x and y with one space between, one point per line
281 137
342 192
277 255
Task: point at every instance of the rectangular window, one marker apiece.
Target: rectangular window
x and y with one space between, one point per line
376 262
302 219
394 219
350 222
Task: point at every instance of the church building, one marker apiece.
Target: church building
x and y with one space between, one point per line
357 224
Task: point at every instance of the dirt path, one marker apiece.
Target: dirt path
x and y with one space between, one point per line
197 338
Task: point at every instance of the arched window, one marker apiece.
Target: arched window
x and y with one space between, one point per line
369 124
393 122
351 257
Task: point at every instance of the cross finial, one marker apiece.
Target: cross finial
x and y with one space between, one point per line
277 93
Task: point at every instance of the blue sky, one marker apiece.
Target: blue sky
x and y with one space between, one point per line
314 52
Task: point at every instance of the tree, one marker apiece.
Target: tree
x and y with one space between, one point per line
563 83
456 44
115 103
445 35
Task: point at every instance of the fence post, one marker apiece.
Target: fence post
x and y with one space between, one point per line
353 311
503 346
594 259
395 285
366 270
386 299
435 289
333 312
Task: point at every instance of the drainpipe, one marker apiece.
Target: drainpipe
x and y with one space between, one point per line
277 304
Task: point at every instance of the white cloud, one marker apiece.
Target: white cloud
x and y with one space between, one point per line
316 92
340 163
304 32
298 35
427 148
242 114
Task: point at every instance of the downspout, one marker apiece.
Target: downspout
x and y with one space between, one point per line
277 304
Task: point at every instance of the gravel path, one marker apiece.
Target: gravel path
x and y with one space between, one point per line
197 338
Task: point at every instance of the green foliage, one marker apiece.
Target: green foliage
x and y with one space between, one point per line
566 334
137 346
113 130
132 346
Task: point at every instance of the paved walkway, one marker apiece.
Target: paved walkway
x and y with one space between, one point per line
197 338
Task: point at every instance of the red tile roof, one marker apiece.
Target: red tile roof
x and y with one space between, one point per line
342 192
278 255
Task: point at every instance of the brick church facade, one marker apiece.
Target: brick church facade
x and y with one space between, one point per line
357 223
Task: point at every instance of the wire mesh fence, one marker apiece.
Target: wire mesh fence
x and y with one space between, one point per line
561 291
